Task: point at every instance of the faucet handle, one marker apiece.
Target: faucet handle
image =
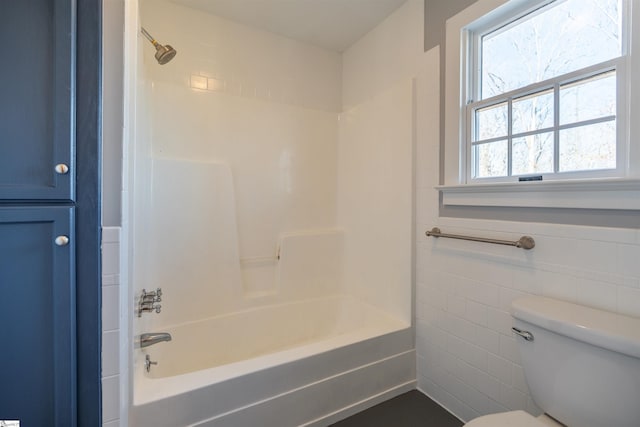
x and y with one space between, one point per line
148 362
148 300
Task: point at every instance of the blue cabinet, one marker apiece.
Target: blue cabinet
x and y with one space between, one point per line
44 366
37 320
37 99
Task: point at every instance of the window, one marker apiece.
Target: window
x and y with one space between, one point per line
546 93
575 124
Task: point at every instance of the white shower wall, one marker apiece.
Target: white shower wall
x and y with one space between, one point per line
375 198
376 155
238 165
243 156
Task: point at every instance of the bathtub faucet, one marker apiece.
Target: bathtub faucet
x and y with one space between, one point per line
150 339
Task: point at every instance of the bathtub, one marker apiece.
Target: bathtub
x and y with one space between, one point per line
304 363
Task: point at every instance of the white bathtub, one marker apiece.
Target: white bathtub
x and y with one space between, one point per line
303 363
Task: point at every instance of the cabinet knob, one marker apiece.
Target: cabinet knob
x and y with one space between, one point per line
62 169
62 240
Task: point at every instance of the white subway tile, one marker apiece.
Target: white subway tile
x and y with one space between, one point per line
432 353
442 395
565 289
529 280
462 391
110 399
499 368
492 389
110 258
456 305
460 327
483 293
495 408
476 313
110 353
435 297
499 321
110 279
512 398
111 235
519 379
509 349
507 296
470 353
486 338
596 294
110 308
437 336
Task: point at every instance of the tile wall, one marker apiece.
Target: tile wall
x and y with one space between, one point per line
111 323
467 356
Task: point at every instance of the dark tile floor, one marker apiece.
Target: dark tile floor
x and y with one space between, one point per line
412 409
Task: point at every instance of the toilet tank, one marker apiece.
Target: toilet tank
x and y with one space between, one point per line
583 365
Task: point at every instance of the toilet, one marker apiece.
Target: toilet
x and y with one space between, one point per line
582 366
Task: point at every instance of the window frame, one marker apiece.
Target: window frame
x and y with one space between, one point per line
459 189
553 85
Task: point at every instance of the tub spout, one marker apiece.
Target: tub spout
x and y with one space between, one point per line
150 339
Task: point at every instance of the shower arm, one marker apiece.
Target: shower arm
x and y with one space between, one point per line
148 36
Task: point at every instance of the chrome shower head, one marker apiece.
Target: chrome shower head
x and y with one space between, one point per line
164 53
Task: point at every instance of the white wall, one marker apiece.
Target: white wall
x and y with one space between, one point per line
245 120
467 355
389 53
375 167
241 60
375 198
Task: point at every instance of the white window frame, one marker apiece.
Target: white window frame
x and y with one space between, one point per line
591 189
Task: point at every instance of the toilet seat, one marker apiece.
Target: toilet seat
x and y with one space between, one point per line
507 419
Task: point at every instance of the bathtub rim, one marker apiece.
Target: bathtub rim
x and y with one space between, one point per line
232 397
148 390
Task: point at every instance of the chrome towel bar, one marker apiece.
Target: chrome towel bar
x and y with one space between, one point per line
525 242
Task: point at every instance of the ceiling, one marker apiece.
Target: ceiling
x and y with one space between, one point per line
331 24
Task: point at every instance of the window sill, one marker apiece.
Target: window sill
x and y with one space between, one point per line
617 194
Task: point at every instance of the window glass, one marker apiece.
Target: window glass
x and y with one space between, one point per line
552 41
590 147
491 159
588 99
491 122
533 154
533 112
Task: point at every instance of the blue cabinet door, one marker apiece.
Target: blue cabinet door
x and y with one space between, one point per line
37 97
37 320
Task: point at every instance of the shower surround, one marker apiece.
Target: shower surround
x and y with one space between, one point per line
277 222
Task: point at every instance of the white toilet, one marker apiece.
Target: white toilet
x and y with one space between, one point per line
582 366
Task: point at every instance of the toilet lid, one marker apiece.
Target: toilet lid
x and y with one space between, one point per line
506 419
